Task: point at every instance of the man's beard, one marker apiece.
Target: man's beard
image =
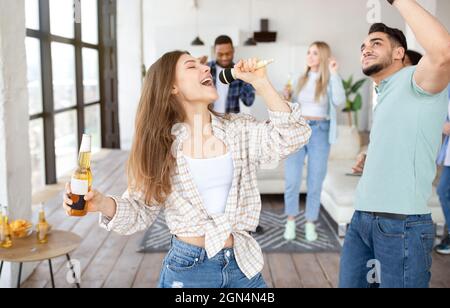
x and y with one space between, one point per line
372 70
376 68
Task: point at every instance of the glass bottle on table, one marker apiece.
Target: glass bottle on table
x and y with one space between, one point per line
5 232
1 225
42 227
81 182
289 89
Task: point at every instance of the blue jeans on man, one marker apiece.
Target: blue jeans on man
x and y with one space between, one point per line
387 253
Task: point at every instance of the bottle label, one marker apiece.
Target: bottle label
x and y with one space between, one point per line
79 187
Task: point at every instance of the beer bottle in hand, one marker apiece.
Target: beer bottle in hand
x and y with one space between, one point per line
81 181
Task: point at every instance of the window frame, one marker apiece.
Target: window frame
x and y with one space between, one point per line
107 51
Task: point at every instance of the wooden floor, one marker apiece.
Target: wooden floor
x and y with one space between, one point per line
109 260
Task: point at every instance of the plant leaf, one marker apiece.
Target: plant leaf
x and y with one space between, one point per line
350 81
357 103
345 84
358 85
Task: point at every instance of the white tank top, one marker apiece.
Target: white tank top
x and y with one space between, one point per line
214 178
307 99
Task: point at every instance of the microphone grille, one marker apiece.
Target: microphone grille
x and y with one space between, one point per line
226 76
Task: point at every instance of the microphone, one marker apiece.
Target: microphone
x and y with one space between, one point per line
227 76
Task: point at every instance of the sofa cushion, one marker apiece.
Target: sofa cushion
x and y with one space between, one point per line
348 144
269 173
340 187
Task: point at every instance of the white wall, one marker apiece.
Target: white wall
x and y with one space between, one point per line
15 163
129 58
170 24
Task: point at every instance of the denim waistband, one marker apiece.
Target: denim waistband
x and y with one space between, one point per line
317 122
199 252
407 218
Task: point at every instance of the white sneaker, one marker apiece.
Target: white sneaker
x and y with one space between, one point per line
289 233
310 232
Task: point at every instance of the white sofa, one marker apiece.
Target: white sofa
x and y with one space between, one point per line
339 188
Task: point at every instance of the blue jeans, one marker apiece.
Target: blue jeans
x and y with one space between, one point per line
318 151
187 266
443 191
402 250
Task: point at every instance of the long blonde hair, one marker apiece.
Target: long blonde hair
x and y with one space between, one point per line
324 71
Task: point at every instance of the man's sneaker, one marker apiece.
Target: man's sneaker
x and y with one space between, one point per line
444 247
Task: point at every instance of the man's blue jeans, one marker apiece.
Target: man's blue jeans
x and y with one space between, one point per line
399 250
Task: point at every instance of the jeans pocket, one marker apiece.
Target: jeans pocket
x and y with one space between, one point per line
390 228
427 246
324 126
179 262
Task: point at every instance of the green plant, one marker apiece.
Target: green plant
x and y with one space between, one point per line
354 98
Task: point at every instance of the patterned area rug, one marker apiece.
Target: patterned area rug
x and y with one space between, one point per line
157 238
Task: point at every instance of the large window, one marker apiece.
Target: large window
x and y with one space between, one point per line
72 82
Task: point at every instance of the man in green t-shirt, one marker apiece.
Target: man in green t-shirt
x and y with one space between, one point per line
391 236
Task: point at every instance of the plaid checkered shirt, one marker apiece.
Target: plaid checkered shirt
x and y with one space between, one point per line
252 145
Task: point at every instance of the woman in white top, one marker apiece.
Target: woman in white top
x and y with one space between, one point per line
200 168
320 91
